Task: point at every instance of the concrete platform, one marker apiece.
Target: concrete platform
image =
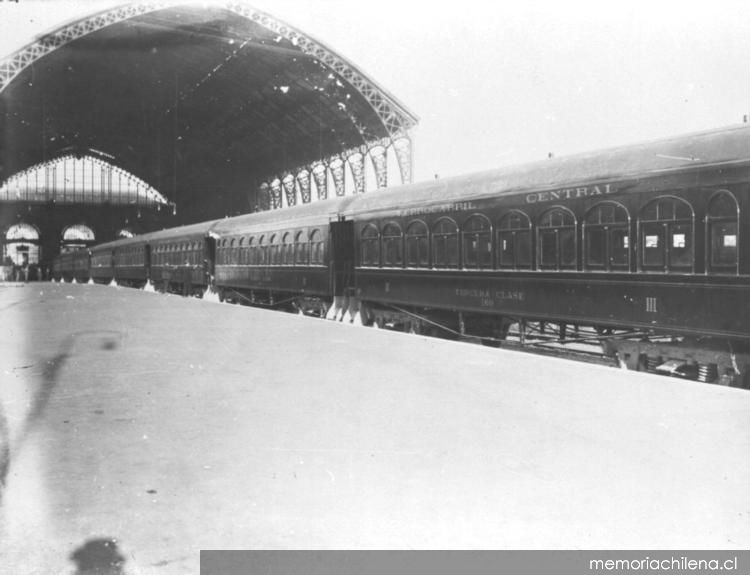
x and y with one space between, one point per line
171 425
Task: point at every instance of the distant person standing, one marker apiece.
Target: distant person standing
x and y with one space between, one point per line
25 267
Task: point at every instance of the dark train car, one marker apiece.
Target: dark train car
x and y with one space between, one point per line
131 261
645 238
285 257
71 266
181 259
102 269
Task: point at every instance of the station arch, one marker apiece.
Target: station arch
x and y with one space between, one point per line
21 245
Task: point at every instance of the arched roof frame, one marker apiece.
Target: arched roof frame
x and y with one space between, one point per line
395 117
195 98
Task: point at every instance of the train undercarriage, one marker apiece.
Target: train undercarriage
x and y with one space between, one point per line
709 360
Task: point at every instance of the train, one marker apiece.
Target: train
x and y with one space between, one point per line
640 247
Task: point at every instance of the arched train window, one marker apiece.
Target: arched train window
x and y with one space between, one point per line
445 244
514 241
317 248
301 249
722 234
273 247
262 252
417 245
287 247
477 243
370 246
252 251
556 240
666 234
393 246
606 237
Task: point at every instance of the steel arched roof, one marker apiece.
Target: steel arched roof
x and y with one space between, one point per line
201 101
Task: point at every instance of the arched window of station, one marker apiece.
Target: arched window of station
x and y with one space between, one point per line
477 243
76 237
556 240
21 245
606 238
393 245
445 244
514 241
667 235
722 234
317 248
417 245
370 246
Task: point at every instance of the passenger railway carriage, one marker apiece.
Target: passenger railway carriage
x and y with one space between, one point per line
71 266
638 243
294 258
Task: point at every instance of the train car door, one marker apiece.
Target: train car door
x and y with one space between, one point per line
341 256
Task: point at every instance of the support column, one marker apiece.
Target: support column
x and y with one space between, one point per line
276 194
379 158
337 170
263 201
303 179
320 175
290 190
402 147
357 166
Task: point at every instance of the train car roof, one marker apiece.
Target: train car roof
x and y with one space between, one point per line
193 230
724 146
200 229
315 213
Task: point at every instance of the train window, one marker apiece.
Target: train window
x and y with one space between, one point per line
666 231
445 244
316 248
244 251
301 249
287 250
514 241
417 245
370 246
393 246
262 251
251 251
556 236
722 232
606 233
477 242
273 251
